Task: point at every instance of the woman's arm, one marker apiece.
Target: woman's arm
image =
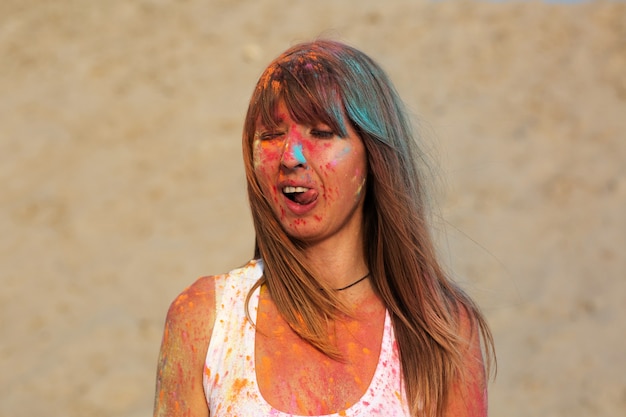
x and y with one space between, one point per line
468 397
186 337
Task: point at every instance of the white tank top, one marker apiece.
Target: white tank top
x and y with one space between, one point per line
229 376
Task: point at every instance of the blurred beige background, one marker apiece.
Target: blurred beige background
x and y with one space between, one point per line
121 180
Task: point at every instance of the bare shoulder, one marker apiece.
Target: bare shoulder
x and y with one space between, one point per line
192 313
196 302
186 337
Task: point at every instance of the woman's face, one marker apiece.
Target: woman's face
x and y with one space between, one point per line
313 179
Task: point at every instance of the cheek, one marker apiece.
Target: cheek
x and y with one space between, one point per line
265 155
266 159
328 158
359 182
344 166
341 158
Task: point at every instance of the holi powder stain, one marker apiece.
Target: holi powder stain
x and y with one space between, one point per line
331 165
345 151
298 154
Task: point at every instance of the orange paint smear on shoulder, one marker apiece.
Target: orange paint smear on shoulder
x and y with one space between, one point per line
180 302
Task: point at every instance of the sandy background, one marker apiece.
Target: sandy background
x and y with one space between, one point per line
121 180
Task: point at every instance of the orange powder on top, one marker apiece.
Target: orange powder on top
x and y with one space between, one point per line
239 384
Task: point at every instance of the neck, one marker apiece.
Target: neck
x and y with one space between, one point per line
337 265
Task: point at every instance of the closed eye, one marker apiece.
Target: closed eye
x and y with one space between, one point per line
269 135
322 133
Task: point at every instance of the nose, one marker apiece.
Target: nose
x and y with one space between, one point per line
293 155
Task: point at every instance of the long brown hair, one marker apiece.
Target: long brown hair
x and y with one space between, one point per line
330 82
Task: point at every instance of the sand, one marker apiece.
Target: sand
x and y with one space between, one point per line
121 180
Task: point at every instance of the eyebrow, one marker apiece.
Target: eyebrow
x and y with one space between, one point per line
275 121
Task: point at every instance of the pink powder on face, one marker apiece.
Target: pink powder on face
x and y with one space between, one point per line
330 166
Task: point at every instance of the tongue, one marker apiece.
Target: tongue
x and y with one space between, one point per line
306 197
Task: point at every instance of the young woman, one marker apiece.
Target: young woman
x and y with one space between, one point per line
345 309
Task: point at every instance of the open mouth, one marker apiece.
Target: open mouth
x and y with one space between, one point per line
300 195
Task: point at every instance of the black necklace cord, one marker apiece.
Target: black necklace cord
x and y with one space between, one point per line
354 283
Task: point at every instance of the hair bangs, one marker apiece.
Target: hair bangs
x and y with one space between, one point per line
307 90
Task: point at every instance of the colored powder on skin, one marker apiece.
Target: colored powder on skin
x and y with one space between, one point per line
262 153
298 154
360 188
345 151
256 159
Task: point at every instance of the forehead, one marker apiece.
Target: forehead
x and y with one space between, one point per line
301 100
280 115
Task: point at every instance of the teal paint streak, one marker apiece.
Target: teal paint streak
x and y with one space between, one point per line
298 154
